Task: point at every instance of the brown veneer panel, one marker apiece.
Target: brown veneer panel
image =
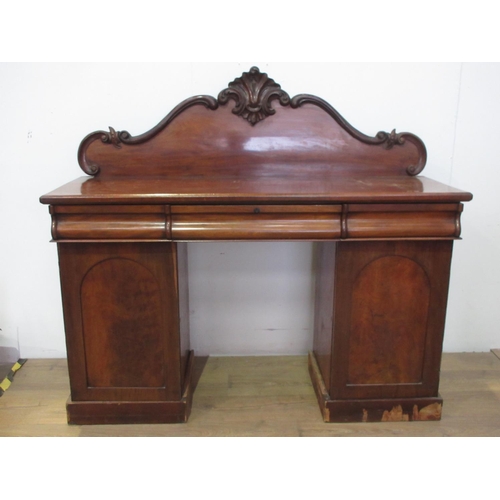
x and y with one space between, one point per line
224 143
110 226
324 261
121 320
122 317
182 285
389 317
402 225
257 226
390 300
311 183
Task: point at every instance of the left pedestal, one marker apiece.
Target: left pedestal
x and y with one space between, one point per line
127 332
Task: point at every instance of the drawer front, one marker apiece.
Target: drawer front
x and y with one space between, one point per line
256 222
119 222
403 221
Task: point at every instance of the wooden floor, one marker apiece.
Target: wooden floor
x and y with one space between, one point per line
258 396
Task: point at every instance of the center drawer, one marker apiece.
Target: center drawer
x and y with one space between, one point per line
256 222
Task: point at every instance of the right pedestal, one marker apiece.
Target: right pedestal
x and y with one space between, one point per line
379 322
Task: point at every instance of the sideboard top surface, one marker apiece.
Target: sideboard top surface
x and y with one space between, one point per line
322 188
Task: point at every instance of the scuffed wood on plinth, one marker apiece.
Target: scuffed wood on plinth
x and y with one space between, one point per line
372 410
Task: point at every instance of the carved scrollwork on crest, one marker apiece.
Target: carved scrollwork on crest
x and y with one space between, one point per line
253 93
112 137
384 139
393 138
118 138
398 139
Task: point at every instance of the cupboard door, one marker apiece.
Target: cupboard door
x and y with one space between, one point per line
122 321
389 314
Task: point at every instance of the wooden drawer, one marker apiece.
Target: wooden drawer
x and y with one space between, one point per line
426 220
114 222
256 222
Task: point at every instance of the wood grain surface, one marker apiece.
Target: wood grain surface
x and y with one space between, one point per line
258 396
253 164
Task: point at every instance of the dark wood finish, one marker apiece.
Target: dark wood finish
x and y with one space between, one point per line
383 347
300 184
224 142
116 222
122 318
380 313
181 284
254 164
306 127
403 221
261 222
324 263
131 412
371 409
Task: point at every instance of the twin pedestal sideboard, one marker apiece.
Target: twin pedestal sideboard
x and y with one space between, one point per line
254 164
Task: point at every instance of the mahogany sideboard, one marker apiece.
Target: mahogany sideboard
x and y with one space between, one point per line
254 164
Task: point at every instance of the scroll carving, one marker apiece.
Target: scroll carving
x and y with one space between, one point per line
393 139
253 93
124 137
384 139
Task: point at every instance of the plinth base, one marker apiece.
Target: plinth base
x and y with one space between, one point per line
372 410
135 412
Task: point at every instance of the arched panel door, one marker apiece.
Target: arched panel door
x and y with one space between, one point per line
122 321
389 313
390 303
122 316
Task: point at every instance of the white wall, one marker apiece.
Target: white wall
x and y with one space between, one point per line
245 298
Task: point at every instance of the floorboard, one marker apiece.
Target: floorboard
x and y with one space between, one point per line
258 396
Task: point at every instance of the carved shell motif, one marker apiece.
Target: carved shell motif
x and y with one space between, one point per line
253 93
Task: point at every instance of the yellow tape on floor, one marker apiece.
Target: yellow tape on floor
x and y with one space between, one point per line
7 381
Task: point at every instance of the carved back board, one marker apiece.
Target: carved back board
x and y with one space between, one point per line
253 128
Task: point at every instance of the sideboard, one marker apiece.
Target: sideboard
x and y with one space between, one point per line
254 164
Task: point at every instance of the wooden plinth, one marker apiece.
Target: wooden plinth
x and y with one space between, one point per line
372 410
133 412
